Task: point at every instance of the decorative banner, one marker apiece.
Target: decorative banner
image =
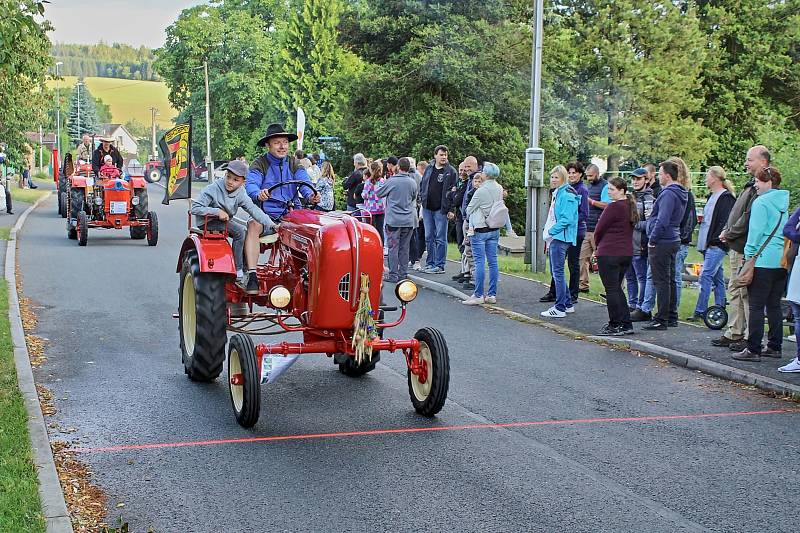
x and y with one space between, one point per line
176 147
301 127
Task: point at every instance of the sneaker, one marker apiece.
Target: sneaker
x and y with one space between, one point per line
553 313
672 324
570 309
769 352
390 279
794 366
737 346
251 286
655 325
641 316
490 299
429 269
473 300
468 286
723 341
627 330
439 270
610 331
461 276
417 266
548 298
747 355
697 317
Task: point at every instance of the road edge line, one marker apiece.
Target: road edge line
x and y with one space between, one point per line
51 495
678 358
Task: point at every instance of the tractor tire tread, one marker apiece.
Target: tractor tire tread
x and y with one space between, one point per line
440 375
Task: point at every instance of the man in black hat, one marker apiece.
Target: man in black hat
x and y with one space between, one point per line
105 148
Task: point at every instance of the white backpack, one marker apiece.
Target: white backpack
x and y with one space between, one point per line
498 215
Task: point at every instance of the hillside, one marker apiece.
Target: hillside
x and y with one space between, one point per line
129 98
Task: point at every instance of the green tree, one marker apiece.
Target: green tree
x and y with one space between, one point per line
82 116
24 60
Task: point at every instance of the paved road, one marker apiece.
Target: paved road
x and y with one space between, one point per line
114 368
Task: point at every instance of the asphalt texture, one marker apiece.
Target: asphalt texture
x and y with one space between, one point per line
593 461
522 296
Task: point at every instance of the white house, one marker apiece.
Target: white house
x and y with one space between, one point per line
125 142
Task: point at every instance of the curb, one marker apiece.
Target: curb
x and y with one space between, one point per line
54 508
682 359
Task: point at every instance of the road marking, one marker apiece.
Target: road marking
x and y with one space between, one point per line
464 427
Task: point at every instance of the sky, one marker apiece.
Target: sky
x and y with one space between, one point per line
137 22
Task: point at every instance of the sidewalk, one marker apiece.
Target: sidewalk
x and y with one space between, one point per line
687 345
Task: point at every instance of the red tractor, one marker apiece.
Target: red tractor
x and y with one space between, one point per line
110 202
153 169
322 279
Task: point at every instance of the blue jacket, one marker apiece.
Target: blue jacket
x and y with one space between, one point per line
583 207
268 170
769 209
566 212
665 221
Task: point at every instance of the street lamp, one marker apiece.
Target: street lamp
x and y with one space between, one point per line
78 86
58 108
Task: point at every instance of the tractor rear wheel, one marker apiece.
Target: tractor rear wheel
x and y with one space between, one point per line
244 380
152 229
202 320
82 229
153 175
428 398
140 213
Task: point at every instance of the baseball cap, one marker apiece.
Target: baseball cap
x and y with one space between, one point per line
639 172
237 167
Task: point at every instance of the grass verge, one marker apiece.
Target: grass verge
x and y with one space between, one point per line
27 196
20 509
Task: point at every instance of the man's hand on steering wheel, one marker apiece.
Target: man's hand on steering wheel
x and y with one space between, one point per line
315 198
263 195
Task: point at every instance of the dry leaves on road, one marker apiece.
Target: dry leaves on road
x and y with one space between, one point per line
85 502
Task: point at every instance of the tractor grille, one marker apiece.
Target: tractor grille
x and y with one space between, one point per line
344 287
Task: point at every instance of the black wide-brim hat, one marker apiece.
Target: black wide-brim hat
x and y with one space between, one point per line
276 130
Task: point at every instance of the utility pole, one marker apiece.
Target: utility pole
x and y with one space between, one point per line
58 109
41 139
153 113
209 160
536 193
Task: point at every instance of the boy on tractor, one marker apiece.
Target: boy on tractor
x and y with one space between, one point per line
221 200
271 170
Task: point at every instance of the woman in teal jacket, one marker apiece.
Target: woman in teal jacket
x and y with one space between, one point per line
768 212
561 231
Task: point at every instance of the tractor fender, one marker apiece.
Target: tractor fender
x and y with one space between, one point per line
78 182
138 182
214 255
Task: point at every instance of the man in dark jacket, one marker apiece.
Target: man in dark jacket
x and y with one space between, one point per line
688 224
438 179
715 215
735 236
105 148
598 200
458 214
354 180
664 239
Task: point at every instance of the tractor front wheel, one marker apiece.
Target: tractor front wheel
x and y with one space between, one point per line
139 213
244 380
82 229
349 368
152 228
153 175
73 207
428 397
62 204
202 320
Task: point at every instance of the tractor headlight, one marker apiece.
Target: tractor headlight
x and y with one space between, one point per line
406 291
135 200
98 200
279 297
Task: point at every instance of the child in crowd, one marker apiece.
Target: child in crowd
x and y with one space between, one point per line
477 181
221 200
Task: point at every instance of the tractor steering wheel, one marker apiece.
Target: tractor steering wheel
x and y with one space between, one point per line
296 191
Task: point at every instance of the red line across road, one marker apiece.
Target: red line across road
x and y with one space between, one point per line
389 431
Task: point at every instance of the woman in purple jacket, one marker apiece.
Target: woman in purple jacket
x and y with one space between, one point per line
614 238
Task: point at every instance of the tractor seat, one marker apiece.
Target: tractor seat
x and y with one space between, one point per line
269 239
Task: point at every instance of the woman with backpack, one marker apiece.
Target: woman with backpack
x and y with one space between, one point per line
481 210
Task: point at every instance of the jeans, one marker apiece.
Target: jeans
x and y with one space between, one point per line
662 264
680 263
766 291
398 241
435 237
573 262
649 301
637 280
558 254
796 313
484 248
612 272
712 276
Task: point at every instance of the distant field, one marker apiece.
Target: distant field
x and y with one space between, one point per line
129 98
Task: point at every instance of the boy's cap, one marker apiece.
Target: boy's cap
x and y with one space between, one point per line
237 167
639 172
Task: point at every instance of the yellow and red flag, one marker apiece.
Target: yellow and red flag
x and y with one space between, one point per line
176 146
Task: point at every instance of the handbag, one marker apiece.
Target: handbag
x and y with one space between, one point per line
789 252
745 275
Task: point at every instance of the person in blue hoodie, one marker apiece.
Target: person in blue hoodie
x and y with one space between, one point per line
560 232
768 215
664 240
